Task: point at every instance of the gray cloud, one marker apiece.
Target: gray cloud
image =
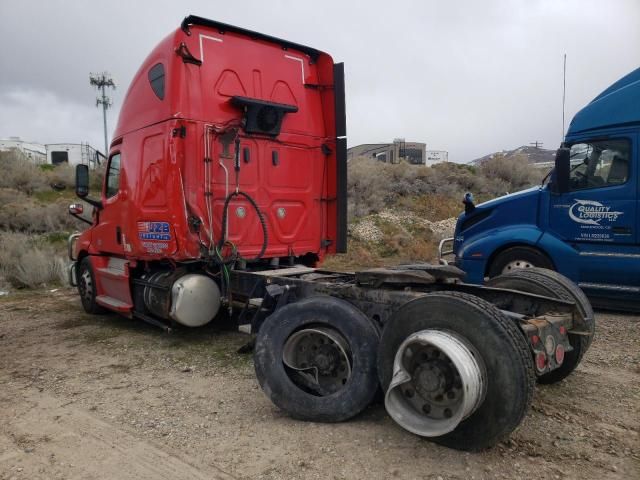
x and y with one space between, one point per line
467 76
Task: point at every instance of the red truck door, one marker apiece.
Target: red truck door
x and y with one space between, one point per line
109 230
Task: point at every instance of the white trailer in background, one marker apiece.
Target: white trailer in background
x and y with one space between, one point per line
74 154
34 152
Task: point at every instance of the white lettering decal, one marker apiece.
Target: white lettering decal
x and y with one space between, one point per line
590 212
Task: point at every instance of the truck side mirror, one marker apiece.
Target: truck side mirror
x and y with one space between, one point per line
82 186
562 171
82 181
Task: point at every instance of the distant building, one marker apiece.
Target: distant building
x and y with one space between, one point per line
436 156
55 153
415 153
35 152
74 154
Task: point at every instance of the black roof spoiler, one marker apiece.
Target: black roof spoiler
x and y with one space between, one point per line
223 27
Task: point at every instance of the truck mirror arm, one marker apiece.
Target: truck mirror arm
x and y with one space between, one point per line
92 202
81 218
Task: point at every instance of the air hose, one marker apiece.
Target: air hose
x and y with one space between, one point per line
263 223
225 210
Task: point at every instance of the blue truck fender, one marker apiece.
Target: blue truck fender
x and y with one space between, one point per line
475 253
485 243
564 257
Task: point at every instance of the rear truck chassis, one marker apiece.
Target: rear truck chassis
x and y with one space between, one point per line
456 362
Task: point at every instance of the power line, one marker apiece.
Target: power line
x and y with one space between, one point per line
536 144
101 81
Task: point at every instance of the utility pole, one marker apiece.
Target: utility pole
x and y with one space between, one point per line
536 144
101 81
564 91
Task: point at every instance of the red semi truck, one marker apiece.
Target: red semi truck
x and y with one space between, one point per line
226 187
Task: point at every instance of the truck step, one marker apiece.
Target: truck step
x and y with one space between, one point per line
113 303
111 272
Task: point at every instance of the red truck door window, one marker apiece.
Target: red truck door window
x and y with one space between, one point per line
113 176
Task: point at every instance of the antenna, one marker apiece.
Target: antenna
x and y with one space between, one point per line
101 81
564 91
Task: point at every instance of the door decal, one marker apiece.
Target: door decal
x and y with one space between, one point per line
154 236
590 212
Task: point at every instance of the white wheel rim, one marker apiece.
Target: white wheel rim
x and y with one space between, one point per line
516 264
87 285
437 382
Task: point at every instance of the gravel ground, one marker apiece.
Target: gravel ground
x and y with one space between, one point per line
104 397
366 229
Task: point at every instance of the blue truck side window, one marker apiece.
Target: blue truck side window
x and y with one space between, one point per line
600 163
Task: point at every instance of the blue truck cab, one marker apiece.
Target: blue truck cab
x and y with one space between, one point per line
584 222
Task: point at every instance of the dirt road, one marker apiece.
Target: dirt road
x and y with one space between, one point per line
103 397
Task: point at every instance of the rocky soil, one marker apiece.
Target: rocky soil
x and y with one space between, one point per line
103 397
367 229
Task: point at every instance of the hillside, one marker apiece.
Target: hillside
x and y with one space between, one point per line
400 212
531 154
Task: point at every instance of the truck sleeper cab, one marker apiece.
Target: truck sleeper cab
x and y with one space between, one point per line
588 231
226 187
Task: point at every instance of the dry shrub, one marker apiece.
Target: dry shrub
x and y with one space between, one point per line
433 207
359 255
27 261
366 186
62 175
96 179
513 173
21 213
19 173
375 185
399 244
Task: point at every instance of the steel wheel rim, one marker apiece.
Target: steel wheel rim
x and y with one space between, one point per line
438 381
516 264
318 360
86 285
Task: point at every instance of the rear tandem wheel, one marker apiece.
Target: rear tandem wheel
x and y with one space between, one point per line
455 369
550 283
316 359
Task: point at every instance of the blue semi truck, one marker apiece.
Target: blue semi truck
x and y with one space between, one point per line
584 221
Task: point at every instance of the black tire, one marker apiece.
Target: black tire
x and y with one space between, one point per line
87 288
522 254
500 343
555 285
362 338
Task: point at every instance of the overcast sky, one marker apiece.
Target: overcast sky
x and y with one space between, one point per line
470 77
